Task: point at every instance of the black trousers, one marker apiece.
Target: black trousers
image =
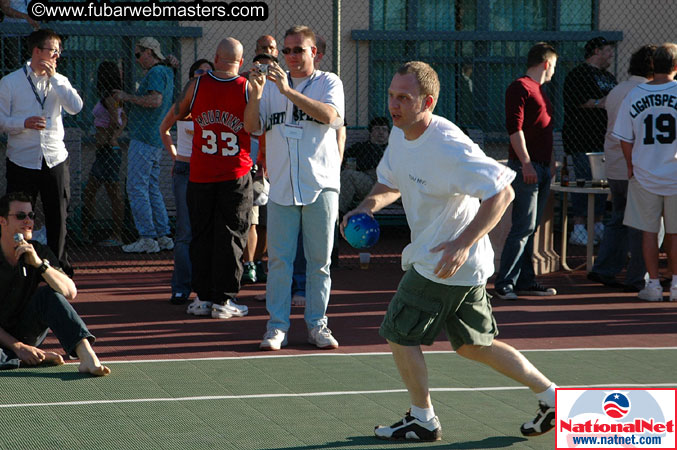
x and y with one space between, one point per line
53 185
219 222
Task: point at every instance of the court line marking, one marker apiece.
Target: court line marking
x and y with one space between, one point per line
432 352
310 394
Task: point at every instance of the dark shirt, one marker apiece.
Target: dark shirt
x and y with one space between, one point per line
584 128
367 155
527 108
15 289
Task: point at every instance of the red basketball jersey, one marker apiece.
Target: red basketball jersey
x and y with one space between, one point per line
220 143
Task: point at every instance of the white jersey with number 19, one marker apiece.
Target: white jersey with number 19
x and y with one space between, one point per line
648 118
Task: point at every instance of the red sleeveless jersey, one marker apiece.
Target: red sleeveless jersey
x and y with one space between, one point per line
220 143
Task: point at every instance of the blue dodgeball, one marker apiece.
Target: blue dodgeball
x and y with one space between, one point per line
362 231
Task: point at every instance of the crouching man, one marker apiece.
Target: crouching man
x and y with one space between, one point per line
28 311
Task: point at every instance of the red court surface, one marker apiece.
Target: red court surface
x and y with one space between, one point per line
133 320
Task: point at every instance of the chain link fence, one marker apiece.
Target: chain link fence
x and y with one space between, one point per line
478 48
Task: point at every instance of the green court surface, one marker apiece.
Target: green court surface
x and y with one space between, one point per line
312 401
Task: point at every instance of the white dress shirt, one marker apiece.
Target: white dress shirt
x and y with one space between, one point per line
27 147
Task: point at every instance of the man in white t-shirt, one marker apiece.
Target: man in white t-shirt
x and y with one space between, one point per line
647 128
618 240
300 111
441 176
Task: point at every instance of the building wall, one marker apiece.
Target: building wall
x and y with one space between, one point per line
642 22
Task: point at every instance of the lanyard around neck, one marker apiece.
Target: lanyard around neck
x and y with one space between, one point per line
35 91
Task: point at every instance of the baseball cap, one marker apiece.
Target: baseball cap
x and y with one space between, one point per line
153 44
595 43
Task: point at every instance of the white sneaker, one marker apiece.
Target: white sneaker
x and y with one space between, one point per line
579 235
673 294
273 340
229 310
199 308
321 337
143 245
651 293
165 243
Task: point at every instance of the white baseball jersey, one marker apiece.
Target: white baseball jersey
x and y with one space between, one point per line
301 166
648 119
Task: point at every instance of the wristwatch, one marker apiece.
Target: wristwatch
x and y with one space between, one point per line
42 268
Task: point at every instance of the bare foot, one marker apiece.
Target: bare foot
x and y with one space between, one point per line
96 370
89 362
52 359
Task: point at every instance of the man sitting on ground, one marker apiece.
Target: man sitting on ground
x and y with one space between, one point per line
27 311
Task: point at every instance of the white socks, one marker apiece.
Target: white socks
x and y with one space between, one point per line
548 396
422 414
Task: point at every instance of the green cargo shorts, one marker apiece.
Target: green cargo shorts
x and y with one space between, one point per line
421 308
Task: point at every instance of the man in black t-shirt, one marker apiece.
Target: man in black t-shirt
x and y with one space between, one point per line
27 309
585 91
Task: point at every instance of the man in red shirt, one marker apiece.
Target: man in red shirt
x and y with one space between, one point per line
219 191
528 118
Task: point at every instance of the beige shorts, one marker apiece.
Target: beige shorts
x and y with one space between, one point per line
254 215
644 209
257 215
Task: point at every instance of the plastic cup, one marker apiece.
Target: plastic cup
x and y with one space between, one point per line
364 260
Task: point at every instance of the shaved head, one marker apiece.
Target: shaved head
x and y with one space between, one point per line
266 44
228 54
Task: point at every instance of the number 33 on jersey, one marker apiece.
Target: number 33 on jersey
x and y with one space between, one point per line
220 143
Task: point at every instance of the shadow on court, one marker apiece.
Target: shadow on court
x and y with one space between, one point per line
367 442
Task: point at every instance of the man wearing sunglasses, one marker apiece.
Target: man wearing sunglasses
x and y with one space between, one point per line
300 111
147 108
29 311
32 100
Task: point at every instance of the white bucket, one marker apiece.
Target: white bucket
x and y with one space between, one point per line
597 165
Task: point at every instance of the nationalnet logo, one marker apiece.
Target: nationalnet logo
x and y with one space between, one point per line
615 418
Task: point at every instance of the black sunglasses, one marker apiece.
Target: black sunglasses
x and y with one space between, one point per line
295 50
22 215
138 54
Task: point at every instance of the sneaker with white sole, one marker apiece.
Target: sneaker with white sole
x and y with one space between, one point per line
165 243
199 308
274 339
673 294
537 289
505 292
229 310
321 337
542 423
652 293
143 245
411 429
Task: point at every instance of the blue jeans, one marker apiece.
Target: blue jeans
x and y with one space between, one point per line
143 187
579 202
284 222
46 310
181 278
517 266
619 240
